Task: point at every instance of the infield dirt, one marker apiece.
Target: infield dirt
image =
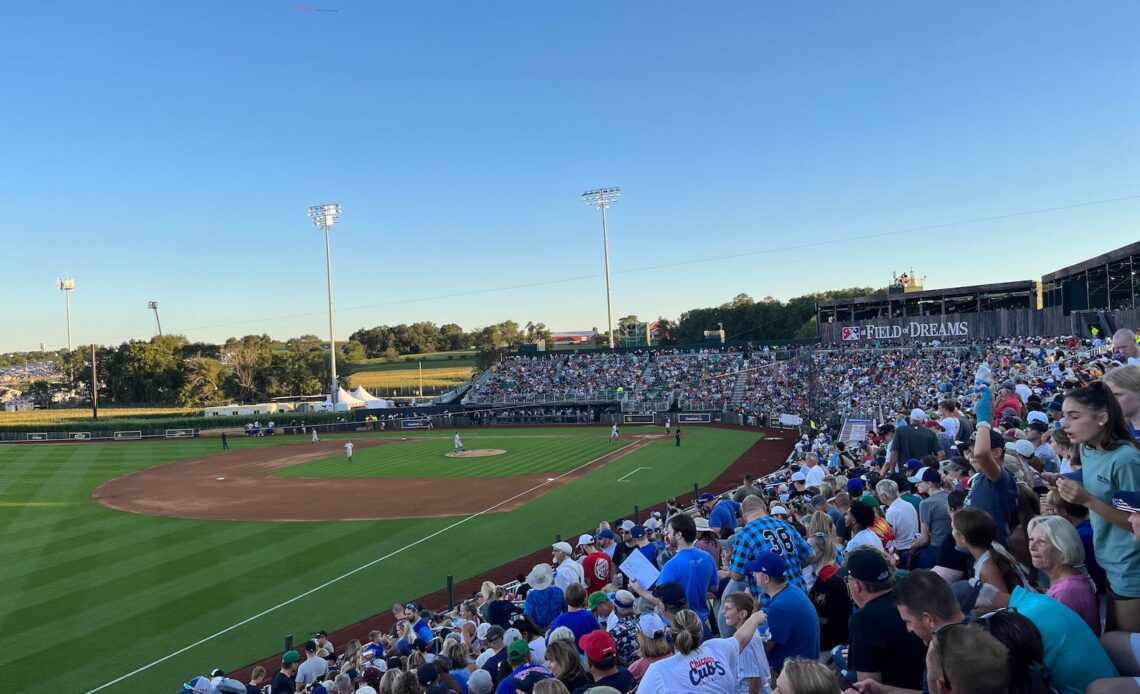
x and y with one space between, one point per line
239 486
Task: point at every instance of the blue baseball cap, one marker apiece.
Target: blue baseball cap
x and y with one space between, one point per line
705 498
637 531
605 533
913 464
767 563
855 486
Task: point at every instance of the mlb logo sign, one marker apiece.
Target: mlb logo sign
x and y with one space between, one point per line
851 333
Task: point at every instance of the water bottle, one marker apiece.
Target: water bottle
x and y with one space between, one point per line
985 406
983 376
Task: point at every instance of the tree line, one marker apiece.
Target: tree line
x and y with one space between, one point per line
169 369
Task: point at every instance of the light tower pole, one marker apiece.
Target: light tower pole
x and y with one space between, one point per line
324 216
153 306
67 286
603 198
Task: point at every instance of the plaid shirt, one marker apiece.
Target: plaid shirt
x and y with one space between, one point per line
768 534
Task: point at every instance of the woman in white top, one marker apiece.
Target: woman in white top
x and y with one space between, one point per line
706 666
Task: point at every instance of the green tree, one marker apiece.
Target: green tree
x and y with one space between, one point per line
247 361
202 382
535 332
40 393
452 337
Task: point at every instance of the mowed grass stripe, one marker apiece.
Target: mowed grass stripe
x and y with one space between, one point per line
427 458
26 548
186 570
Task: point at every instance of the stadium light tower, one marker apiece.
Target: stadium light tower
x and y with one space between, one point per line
153 306
603 198
324 216
67 286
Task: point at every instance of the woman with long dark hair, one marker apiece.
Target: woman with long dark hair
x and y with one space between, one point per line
1110 463
975 530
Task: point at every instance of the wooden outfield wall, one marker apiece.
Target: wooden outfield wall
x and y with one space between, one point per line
1025 322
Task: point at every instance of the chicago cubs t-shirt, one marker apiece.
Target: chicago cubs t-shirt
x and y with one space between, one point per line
710 668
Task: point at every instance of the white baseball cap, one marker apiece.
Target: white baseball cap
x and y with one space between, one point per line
780 511
585 540
563 547
627 525
799 477
1023 447
918 415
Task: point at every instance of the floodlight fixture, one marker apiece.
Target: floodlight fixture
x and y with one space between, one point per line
324 216
153 306
67 286
602 198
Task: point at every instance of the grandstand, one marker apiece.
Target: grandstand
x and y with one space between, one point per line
1099 292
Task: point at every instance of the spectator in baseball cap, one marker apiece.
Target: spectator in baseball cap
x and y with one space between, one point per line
995 490
518 660
671 597
566 570
494 642
284 680
480 682
622 624
792 619
599 603
602 662
606 541
597 566
881 646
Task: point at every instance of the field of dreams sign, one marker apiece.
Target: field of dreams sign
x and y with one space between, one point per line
914 330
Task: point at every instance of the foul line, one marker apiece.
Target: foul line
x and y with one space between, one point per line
343 576
622 478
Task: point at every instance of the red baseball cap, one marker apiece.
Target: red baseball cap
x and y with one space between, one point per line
598 646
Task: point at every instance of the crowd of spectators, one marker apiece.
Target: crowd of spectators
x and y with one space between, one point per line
987 541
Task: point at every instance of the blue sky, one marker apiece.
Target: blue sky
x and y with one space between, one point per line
168 151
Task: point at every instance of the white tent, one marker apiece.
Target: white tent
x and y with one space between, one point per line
369 400
344 401
361 394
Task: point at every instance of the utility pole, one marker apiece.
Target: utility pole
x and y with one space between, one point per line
94 386
153 305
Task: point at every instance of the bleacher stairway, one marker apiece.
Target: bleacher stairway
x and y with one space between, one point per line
738 387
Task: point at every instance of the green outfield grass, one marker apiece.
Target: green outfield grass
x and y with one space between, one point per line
91 594
543 451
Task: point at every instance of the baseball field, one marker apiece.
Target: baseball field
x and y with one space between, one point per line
132 566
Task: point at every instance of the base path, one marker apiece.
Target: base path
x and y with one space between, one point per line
239 485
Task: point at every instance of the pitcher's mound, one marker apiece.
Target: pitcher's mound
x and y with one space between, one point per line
476 453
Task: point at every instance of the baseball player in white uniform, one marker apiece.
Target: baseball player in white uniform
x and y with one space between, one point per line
348 450
457 443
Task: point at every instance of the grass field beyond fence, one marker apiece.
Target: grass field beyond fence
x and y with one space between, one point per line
440 375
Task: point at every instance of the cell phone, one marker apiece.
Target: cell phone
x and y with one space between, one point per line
1127 501
289 642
